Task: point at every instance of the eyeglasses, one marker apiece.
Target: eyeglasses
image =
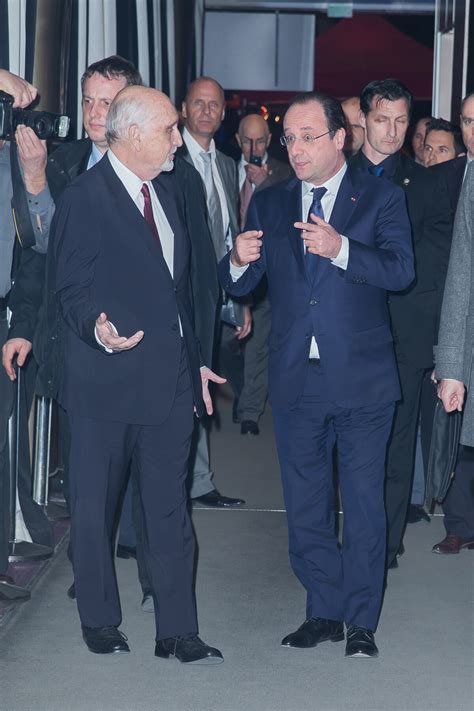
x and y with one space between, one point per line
307 138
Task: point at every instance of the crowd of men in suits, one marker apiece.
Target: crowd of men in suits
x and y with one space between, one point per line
320 281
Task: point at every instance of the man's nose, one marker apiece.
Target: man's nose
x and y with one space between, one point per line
178 139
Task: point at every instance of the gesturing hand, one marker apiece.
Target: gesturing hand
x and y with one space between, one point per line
320 237
108 336
246 248
206 375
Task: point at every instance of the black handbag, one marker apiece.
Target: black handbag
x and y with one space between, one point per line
443 453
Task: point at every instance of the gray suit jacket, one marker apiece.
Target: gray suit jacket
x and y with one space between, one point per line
454 352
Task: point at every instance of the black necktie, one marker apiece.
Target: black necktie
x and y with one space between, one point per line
316 208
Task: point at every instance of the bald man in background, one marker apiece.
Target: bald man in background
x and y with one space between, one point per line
257 171
355 131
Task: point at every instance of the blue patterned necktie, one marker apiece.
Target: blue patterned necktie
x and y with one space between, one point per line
312 260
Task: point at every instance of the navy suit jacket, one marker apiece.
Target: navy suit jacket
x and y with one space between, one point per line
346 310
107 260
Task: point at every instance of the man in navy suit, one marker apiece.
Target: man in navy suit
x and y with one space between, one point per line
131 371
331 243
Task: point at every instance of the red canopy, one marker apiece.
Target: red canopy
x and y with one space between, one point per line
367 47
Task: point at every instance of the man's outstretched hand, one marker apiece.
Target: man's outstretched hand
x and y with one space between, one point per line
109 338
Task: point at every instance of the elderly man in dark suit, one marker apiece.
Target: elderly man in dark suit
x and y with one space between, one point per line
414 312
331 242
257 171
203 110
132 371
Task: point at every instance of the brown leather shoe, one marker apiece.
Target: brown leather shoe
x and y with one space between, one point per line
452 544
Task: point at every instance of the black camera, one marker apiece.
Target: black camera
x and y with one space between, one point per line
44 124
255 160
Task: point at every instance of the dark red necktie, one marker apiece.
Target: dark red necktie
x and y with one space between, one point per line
148 213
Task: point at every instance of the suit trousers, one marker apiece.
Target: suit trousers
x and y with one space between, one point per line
458 505
230 358
100 455
418 398
342 582
255 389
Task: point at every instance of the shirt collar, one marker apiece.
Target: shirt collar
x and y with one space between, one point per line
96 155
331 185
131 181
194 148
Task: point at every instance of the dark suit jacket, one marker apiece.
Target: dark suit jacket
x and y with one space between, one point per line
346 310
107 260
453 173
415 311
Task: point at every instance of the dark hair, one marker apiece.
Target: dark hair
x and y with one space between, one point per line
335 117
113 67
440 124
384 89
468 96
204 78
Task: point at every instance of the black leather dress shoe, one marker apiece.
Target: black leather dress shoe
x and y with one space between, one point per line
313 631
360 642
417 513
189 649
105 640
249 427
126 552
9 592
215 500
71 592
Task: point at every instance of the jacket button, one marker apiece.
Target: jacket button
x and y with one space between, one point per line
313 302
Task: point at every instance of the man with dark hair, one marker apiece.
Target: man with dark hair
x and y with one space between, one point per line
443 142
113 67
418 140
331 242
414 312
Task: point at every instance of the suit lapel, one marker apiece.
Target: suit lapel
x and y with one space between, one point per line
124 206
166 190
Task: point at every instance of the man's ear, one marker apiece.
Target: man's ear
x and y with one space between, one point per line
183 110
134 136
362 119
239 142
340 137
268 140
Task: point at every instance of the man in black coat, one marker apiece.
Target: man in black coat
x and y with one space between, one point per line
385 115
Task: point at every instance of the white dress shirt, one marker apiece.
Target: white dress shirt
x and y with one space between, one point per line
195 151
94 157
327 203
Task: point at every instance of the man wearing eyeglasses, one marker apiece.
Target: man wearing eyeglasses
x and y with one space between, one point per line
331 242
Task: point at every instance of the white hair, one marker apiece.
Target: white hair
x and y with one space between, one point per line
125 111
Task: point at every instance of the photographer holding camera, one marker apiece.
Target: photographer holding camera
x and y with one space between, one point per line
27 255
